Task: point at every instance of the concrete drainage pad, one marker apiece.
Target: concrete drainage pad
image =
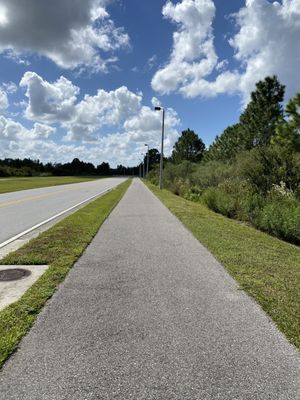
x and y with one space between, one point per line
16 279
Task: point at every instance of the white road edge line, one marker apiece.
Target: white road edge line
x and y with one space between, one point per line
3 244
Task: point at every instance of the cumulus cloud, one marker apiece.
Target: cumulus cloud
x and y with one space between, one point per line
146 127
115 123
49 102
120 108
266 43
193 55
72 33
105 108
11 130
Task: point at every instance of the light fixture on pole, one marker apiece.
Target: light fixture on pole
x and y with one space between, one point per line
162 146
147 159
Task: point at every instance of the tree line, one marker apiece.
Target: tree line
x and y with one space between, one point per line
28 167
251 172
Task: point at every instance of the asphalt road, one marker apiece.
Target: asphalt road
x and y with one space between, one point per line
21 210
148 314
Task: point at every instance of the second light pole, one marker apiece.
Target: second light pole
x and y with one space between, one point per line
162 146
147 170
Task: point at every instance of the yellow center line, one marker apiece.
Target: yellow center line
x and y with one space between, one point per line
30 198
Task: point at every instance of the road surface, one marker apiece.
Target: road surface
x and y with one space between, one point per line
21 210
148 314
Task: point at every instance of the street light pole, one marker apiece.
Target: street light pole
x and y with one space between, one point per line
143 163
162 146
143 166
147 159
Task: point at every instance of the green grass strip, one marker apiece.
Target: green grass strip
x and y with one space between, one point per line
15 184
265 267
59 247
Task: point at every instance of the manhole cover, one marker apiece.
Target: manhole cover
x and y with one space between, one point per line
13 274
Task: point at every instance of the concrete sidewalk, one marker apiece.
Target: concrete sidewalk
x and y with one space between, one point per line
148 313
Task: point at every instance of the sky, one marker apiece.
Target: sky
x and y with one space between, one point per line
81 78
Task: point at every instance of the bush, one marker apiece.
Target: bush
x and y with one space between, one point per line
265 167
219 201
211 174
281 217
254 205
194 194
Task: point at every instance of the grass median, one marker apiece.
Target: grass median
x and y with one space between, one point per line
59 247
17 183
265 267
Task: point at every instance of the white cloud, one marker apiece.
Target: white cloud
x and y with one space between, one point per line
120 109
72 33
10 87
87 123
49 102
104 109
152 62
155 102
11 130
3 100
266 43
193 55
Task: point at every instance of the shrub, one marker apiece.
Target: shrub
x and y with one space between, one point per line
194 194
211 174
219 201
254 205
281 217
265 167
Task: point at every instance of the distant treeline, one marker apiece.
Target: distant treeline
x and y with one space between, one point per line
28 167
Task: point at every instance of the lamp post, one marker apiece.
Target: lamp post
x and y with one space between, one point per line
147 159
162 146
143 164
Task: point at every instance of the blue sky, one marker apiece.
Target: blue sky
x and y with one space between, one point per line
80 79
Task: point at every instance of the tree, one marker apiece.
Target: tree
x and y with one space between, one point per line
227 145
263 113
103 169
288 132
188 147
154 158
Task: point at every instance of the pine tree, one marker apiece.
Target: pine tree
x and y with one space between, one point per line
188 147
263 113
288 132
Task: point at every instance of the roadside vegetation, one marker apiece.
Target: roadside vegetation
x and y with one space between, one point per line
17 183
59 247
251 172
265 267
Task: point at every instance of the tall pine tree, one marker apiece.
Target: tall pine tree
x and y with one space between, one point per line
262 114
188 147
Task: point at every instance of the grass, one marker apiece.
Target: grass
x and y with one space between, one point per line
59 247
15 184
265 267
